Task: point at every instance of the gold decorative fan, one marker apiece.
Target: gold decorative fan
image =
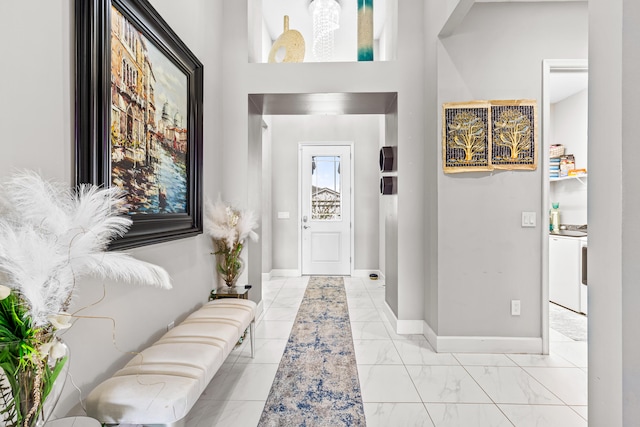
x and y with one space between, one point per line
289 47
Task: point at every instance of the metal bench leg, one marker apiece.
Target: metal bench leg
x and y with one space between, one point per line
252 332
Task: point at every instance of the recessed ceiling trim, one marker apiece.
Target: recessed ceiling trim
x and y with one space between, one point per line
323 103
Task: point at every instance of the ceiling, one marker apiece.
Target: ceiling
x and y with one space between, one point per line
273 12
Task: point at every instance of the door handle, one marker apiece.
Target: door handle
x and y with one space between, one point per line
306 226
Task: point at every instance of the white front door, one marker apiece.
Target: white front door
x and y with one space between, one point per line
325 212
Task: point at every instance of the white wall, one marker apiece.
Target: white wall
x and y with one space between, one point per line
485 259
570 119
570 123
36 115
287 132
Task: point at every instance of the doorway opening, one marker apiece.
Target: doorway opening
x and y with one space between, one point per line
277 123
326 214
564 192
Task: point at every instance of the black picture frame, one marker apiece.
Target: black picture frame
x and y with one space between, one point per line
93 146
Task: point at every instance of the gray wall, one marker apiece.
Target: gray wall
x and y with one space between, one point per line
253 257
630 208
485 259
267 204
287 132
36 116
435 14
389 213
614 201
404 77
47 76
409 79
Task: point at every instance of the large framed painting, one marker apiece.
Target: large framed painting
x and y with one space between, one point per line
139 117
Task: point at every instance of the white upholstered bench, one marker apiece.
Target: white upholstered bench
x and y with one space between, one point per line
162 383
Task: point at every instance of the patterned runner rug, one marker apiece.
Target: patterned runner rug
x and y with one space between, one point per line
317 381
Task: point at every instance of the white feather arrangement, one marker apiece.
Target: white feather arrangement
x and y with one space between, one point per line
51 235
223 222
229 227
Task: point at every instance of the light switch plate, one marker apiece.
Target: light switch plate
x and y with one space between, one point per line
283 215
528 219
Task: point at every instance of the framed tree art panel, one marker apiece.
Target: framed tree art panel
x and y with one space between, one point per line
465 137
139 117
488 135
514 143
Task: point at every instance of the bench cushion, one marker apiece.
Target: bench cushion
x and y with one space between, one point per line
202 356
161 384
156 399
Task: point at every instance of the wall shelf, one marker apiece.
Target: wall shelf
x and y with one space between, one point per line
565 178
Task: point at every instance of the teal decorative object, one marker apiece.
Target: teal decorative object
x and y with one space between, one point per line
365 30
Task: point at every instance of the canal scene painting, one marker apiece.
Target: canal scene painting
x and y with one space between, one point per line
148 129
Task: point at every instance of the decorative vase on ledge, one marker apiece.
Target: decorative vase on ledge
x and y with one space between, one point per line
365 30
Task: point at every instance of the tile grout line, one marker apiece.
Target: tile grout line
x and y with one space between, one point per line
485 391
357 289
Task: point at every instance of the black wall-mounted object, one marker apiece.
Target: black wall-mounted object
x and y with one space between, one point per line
388 158
388 185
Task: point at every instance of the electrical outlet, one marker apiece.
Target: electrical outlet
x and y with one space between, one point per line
515 307
170 326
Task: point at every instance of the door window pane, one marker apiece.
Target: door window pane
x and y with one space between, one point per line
326 200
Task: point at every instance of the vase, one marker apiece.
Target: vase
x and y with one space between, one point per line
30 390
230 268
365 30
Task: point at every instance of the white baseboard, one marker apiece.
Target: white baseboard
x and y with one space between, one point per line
431 336
391 317
404 327
285 273
489 345
298 273
464 344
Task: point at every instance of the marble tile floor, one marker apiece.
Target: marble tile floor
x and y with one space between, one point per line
403 381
